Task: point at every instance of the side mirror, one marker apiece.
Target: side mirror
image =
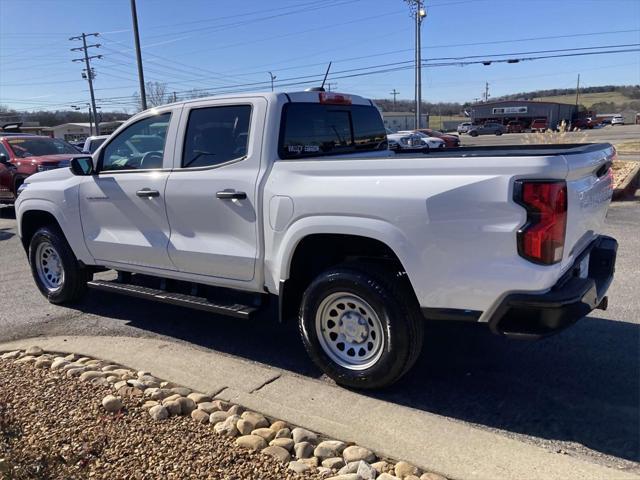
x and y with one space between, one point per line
82 166
3 158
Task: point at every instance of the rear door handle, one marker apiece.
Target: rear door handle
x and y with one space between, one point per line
147 193
231 195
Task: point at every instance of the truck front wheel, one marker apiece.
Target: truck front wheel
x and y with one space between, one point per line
361 325
55 268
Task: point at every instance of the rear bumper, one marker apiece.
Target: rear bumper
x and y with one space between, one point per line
573 297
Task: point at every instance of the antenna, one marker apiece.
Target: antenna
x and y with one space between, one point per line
326 75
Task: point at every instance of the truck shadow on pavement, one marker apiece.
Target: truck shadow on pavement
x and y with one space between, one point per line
582 385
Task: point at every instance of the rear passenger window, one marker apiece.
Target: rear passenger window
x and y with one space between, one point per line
314 129
216 135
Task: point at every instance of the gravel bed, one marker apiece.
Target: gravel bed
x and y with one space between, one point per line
78 417
53 427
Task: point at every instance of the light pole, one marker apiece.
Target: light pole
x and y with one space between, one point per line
136 37
273 77
419 12
88 105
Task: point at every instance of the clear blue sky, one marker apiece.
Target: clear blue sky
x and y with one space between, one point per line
221 44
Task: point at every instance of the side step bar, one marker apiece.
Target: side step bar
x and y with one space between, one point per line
189 301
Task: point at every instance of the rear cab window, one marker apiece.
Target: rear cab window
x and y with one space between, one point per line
317 129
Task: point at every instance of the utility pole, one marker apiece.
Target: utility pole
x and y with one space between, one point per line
90 73
136 37
395 94
486 91
419 12
273 77
578 91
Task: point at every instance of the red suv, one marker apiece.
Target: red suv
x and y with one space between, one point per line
24 155
539 125
449 140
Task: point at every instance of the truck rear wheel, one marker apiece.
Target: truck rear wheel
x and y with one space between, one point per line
361 325
55 268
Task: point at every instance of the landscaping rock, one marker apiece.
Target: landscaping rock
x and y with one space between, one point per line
159 412
58 363
311 461
299 467
283 433
199 397
286 443
335 463
304 435
110 368
265 433
170 398
386 476
235 410
303 450
26 359
186 405
182 391
11 355
346 476
366 471
90 375
218 416
404 469
252 442
382 467
130 392
355 453
136 384
160 394
329 448
228 426
200 416
324 472
254 419
432 476
34 350
351 467
173 407
208 407
118 385
75 372
278 453
278 425
111 403
149 403
43 363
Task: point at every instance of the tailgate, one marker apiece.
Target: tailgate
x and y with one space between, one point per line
589 189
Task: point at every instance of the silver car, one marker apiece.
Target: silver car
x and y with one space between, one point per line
489 128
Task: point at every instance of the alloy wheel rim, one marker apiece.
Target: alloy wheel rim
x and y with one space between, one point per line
349 330
49 267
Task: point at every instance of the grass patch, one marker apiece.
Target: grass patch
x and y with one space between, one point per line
629 147
588 99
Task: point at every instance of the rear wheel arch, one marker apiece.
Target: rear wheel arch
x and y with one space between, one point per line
316 253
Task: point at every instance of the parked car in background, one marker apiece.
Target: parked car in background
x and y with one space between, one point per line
406 141
450 141
464 127
539 125
617 120
581 123
489 128
515 127
24 155
79 145
91 144
430 142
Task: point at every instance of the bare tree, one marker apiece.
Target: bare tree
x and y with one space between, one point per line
156 95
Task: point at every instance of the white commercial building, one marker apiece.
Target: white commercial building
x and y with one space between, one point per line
79 131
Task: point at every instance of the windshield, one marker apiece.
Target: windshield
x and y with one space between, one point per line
94 144
24 147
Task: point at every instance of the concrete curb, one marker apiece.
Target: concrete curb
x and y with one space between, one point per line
431 442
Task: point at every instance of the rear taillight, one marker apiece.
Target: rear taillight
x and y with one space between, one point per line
541 239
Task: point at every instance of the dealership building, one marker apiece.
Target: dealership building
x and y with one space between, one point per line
524 112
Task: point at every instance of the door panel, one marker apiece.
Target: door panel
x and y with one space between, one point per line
212 233
6 177
121 227
122 208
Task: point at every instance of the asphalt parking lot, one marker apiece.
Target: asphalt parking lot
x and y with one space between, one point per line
577 392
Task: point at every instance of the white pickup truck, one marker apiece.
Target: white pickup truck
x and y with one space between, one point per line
229 203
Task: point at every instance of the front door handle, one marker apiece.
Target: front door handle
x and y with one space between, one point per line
231 195
147 193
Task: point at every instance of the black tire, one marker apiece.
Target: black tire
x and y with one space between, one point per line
390 296
473 134
74 285
498 132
